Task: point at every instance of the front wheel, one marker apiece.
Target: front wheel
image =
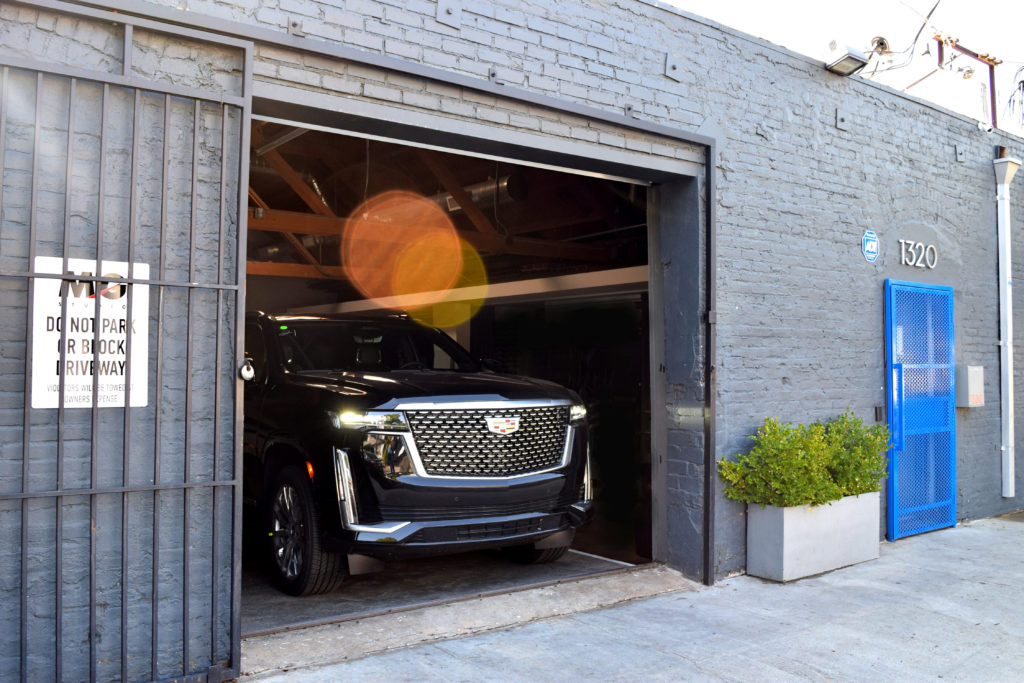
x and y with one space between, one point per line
297 561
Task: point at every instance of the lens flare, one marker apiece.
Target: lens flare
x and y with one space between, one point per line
400 243
430 263
402 251
461 303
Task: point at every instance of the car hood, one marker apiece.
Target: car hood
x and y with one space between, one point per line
389 389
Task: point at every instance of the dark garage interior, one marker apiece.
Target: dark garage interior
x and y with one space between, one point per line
554 286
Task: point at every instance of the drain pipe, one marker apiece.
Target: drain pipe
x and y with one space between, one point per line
1005 168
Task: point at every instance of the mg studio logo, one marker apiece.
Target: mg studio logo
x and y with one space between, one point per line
502 425
92 289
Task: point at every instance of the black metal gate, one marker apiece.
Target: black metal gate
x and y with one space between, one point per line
121 272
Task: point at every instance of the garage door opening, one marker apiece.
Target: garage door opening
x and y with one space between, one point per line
599 347
552 284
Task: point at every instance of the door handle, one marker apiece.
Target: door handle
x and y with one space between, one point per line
898 437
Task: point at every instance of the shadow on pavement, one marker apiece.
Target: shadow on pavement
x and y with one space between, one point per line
402 585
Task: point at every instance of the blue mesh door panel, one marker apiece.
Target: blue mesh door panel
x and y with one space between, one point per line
922 414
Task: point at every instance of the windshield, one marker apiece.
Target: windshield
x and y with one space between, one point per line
368 346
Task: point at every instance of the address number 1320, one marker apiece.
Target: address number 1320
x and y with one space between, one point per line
918 254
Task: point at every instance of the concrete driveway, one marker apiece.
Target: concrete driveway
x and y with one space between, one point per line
949 604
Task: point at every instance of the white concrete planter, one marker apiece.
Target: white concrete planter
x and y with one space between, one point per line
790 543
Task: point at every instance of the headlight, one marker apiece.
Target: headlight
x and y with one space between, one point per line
389 452
384 420
577 413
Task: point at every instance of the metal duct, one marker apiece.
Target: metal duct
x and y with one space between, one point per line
510 188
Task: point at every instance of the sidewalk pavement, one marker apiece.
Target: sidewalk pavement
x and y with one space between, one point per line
948 604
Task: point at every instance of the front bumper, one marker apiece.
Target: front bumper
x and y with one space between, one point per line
384 515
395 540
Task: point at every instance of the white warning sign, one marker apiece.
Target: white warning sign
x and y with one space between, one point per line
88 321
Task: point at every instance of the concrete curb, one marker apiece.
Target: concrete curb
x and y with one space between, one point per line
269 655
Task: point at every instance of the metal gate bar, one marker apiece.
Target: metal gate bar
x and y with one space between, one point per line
100 222
117 490
241 216
27 422
125 454
219 351
65 82
186 634
61 380
155 616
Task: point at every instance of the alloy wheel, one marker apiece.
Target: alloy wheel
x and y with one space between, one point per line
288 528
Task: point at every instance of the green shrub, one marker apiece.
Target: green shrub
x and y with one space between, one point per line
857 462
808 465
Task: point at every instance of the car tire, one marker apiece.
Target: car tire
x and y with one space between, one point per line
298 563
529 554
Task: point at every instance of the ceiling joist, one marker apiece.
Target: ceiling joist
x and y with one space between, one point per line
294 270
291 222
295 181
321 220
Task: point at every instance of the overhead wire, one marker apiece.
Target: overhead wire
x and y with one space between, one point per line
1016 99
1014 104
908 52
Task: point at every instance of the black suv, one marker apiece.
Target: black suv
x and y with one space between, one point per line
370 438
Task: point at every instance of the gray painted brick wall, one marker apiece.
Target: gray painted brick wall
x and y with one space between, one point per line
799 309
800 328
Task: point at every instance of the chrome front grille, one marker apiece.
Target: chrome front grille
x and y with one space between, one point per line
457 443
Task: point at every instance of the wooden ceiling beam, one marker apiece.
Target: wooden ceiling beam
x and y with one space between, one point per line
290 222
296 222
300 270
293 179
453 187
298 246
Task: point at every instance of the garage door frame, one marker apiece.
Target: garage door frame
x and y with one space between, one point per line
678 205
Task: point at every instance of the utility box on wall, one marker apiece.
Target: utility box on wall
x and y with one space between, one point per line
970 386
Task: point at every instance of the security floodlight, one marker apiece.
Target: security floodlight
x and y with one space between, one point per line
849 62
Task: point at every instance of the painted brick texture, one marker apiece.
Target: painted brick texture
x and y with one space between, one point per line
800 312
799 309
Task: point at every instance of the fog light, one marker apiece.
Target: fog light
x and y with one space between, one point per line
389 452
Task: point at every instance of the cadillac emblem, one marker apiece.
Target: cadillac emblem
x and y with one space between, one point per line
502 425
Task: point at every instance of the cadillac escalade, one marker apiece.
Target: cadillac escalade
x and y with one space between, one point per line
370 438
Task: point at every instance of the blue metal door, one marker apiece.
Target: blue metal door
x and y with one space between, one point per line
922 408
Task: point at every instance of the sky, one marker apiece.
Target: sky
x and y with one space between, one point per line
983 26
